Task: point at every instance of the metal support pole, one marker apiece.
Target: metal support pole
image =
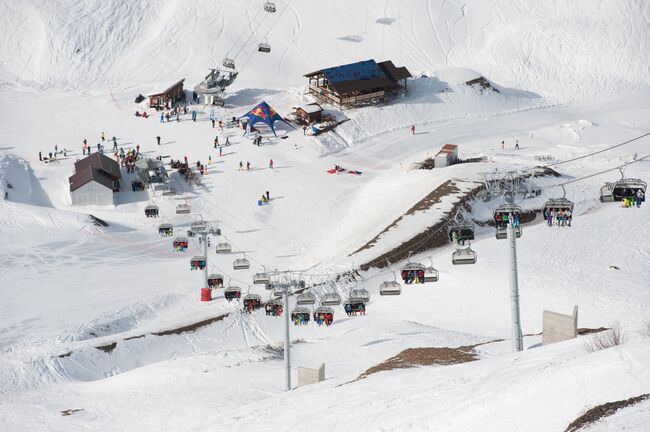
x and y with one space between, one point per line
205 254
287 348
517 341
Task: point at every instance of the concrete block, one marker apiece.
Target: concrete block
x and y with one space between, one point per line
559 327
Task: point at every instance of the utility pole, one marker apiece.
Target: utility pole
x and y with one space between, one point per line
517 340
204 229
285 286
287 338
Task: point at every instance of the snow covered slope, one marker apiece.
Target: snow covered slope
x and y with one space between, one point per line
107 320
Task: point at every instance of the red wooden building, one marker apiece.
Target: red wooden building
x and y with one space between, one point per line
169 97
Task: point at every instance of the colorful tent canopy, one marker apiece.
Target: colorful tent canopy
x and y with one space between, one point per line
265 114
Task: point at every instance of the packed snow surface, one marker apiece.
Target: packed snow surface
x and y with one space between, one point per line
91 317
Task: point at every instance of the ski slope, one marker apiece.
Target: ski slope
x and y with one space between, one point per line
71 70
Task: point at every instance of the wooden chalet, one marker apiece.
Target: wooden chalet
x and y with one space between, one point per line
169 97
361 83
308 114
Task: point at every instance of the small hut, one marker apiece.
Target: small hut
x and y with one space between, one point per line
308 114
167 98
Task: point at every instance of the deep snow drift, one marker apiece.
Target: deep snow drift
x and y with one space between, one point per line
90 315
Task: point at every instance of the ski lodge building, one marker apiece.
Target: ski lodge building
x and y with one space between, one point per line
169 97
362 83
95 179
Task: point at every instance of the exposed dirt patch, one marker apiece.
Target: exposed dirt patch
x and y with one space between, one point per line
586 331
65 354
134 337
191 327
107 348
601 411
71 411
432 237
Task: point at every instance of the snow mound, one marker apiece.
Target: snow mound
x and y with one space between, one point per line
18 179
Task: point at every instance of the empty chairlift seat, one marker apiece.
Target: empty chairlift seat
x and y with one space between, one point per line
166 230
306 299
180 244
215 280
223 248
502 217
241 264
360 295
151 211
390 288
260 278
232 293
183 209
197 262
264 47
198 227
330 299
463 256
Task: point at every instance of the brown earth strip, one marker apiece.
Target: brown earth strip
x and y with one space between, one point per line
601 411
586 331
190 328
107 348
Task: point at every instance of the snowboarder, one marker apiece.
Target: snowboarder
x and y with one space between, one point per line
65 152
103 136
209 159
114 144
158 140
137 149
216 141
212 122
227 141
248 166
517 144
193 116
50 154
178 118
304 130
413 130
268 196
162 118
271 164
40 156
167 117
220 151
503 145
241 166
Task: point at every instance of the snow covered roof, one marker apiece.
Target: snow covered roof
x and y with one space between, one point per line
310 108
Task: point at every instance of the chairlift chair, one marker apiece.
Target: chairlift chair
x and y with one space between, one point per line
241 264
170 191
501 220
231 293
463 256
277 293
215 280
252 302
260 279
390 288
223 248
264 47
306 299
183 209
228 63
274 308
361 295
197 262
151 211
352 306
627 187
326 314
300 315
180 244
330 299
199 227
413 273
463 232
166 230
269 7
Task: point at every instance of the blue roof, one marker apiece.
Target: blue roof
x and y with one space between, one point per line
354 71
